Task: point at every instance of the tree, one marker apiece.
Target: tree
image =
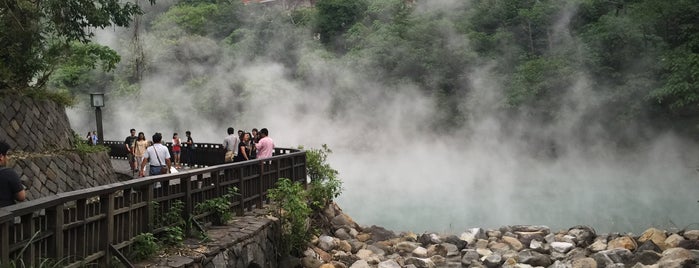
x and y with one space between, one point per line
37 36
336 16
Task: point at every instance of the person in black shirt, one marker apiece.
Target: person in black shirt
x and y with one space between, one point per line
11 188
189 148
130 143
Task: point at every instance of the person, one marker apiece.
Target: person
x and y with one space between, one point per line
11 188
89 138
190 148
244 148
130 142
140 149
94 137
157 156
265 145
230 143
254 136
176 149
240 133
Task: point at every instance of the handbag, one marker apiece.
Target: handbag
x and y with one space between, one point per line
163 169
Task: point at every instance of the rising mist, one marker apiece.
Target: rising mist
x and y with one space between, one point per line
400 169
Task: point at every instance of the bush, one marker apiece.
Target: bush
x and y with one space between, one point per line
144 246
293 213
325 186
219 207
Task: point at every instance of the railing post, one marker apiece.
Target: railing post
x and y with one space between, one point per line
148 214
5 243
54 218
188 206
28 228
107 230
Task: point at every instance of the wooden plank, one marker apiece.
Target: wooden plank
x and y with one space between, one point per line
107 230
54 218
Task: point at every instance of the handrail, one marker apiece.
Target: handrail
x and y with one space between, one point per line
79 227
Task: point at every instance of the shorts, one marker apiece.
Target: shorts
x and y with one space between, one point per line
130 157
176 152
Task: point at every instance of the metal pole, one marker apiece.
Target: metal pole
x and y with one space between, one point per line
100 134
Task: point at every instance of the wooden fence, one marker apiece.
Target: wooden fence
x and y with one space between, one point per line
87 228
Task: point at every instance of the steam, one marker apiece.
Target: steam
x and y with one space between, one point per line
397 171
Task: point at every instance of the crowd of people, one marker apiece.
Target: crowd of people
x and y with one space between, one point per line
240 146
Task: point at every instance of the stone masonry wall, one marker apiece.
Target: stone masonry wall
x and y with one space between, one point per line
45 175
34 125
39 132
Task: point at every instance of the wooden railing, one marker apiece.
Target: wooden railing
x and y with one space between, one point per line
91 226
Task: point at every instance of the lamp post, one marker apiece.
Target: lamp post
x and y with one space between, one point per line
97 101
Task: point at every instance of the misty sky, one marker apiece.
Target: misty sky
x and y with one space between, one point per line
397 171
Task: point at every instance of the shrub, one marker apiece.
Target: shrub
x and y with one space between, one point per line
325 186
293 212
144 246
219 207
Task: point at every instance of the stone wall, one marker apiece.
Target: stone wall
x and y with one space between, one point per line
34 125
248 241
45 175
39 133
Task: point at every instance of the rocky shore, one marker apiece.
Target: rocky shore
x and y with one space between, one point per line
346 244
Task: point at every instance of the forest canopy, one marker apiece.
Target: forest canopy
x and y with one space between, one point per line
641 57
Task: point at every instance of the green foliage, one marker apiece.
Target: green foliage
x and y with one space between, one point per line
173 222
144 246
219 207
36 38
192 19
325 186
334 17
82 147
293 213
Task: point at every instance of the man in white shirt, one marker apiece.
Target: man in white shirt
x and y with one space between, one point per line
157 156
230 143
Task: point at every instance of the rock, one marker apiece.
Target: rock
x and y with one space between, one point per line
676 257
493 233
600 244
452 250
356 245
649 245
562 247
376 250
438 261
533 258
406 246
342 234
584 263
584 235
363 237
513 243
389 264
646 257
484 251
577 253
364 254
379 233
353 232
527 237
343 220
429 239
692 234
420 262
469 257
493 260
434 250
537 245
622 242
656 235
420 252
673 240
347 259
499 247
327 265
612 256
322 254
309 262
481 243
471 235
689 244
530 228
460 244
326 243
345 246
360 264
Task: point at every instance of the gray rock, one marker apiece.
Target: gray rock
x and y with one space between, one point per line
389 264
469 257
584 235
649 245
326 243
646 257
674 240
612 256
584 263
420 262
420 252
452 250
438 249
562 247
692 234
494 260
676 257
379 233
460 244
342 234
533 258
577 253
360 264
429 239
689 244
406 246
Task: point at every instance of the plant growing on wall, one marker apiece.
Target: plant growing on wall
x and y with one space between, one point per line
325 186
219 208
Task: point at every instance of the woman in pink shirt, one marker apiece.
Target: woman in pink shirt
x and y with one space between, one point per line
176 149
